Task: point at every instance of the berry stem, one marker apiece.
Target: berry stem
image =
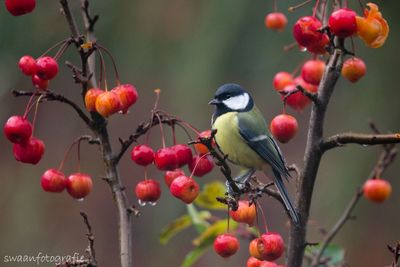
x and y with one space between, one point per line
113 62
28 106
155 113
79 155
315 8
195 166
35 114
173 133
274 6
229 220
145 173
293 8
262 215
353 47
104 76
62 49
68 40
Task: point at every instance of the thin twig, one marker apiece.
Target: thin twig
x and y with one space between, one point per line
312 96
90 236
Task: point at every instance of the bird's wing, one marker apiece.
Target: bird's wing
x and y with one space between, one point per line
259 139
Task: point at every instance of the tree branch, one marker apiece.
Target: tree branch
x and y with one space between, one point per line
358 138
51 96
90 236
312 96
385 159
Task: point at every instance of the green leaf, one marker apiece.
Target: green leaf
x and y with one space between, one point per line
205 240
179 225
207 197
219 227
334 252
199 222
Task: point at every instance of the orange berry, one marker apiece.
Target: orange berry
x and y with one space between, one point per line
107 103
377 190
90 98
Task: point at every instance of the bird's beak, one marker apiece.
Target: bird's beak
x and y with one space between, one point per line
214 102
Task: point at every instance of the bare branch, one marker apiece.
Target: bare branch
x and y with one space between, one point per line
312 96
51 96
90 236
359 138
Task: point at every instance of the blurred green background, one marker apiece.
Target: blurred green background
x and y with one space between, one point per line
188 48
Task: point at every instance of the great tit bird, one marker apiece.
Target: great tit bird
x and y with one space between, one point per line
243 136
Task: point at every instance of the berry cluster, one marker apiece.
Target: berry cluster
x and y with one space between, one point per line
318 39
106 103
42 70
172 160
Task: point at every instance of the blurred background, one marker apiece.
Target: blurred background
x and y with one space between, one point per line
188 48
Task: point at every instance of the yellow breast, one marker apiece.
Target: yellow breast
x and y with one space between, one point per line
232 144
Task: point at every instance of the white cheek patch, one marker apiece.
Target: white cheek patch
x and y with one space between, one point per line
237 102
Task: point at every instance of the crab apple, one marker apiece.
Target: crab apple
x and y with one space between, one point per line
20 7
183 153
201 165
342 22
354 69
284 127
275 21
165 159
253 262
281 80
90 98
29 152
226 245
40 83
46 67
200 148
107 103
305 31
319 47
270 246
148 190
184 188
17 129
53 180
377 190
27 65
312 71
127 94
297 101
79 185
142 155
169 176
246 213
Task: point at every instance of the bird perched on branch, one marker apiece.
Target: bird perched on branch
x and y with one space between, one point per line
243 136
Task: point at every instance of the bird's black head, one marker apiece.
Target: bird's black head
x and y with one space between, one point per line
231 97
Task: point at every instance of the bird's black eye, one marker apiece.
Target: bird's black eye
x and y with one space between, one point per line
227 96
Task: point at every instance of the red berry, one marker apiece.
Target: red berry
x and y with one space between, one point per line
90 98
53 181
282 79
17 129
284 127
184 154
20 7
29 152
39 83
142 155
253 249
309 87
46 68
354 69
165 159
297 101
169 176
127 96
27 65
270 246
253 262
200 148
312 71
377 190
148 190
226 245
276 21
305 31
245 213
79 185
107 104
342 22
184 188
320 46
201 165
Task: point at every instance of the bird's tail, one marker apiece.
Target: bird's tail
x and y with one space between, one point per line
285 197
